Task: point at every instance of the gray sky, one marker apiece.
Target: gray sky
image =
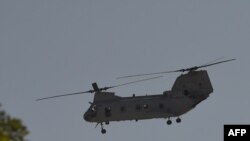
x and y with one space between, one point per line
51 47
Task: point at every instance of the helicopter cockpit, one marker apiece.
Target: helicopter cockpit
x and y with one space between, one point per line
90 113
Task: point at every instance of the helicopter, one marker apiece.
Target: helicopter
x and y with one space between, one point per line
189 89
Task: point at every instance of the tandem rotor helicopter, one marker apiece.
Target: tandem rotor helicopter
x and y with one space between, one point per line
189 89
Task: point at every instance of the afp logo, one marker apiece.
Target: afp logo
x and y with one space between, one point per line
236 132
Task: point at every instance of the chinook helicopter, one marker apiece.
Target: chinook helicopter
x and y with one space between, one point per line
189 89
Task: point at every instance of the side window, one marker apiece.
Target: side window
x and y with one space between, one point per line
200 85
161 106
145 106
138 107
123 109
107 111
186 92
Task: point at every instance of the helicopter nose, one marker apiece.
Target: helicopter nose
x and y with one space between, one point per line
86 117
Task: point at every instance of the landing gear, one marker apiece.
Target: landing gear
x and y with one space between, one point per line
178 120
102 129
169 122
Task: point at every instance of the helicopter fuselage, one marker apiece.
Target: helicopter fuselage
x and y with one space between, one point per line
188 91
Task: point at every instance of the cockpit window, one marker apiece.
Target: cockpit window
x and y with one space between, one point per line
93 109
92 112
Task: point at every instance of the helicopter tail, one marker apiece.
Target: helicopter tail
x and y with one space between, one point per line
194 81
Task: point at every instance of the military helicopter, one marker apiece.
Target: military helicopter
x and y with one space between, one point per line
189 89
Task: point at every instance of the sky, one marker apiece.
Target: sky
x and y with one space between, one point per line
52 47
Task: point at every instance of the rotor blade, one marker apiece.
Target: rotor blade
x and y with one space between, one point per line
212 61
90 91
180 70
144 74
202 66
135 81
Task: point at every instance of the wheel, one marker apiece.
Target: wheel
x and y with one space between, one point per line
169 122
103 131
107 122
178 120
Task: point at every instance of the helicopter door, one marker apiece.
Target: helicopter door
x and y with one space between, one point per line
107 111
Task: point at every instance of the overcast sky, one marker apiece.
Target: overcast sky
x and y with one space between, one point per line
51 47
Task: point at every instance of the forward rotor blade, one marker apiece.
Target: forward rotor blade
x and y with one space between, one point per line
90 91
135 81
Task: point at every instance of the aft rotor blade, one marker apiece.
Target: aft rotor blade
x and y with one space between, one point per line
202 66
210 62
180 70
135 81
216 63
144 74
90 91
